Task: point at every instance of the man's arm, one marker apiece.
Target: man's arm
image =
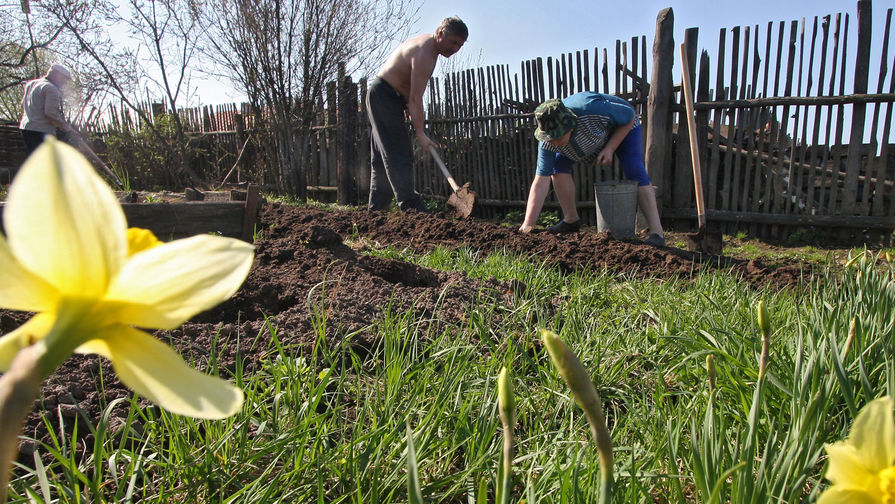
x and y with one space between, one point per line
53 109
605 155
540 186
421 67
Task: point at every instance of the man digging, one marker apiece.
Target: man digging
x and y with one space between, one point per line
398 89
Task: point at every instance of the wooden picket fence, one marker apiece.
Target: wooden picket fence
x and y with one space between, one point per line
791 133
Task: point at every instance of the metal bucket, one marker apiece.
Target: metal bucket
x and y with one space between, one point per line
616 207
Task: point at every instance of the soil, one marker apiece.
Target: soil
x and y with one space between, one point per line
310 262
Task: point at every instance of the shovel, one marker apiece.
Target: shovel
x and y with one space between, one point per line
85 148
702 240
463 198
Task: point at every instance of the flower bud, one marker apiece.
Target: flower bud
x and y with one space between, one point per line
764 318
506 403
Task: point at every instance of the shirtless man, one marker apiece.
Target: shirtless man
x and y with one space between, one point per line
398 88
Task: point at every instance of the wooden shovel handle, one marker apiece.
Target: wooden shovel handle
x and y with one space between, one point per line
694 147
444 170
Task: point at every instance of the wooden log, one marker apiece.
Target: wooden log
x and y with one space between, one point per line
348 171
659 130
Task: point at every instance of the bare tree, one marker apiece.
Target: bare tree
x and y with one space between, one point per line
282 53
157 55
28 42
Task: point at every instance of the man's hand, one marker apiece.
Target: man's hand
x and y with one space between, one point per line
426 143
525 229
605 156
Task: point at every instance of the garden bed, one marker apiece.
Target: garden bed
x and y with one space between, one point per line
311 263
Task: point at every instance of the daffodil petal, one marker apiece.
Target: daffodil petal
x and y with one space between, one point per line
845 468
873 434
21 289
25 335
166 285
845 496
154 370
63 222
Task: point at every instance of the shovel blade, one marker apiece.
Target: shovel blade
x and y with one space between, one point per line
463 201
705 241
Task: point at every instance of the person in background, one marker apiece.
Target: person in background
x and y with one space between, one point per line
587 127
398 89
42 109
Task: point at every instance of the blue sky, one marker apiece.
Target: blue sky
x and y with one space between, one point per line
509 31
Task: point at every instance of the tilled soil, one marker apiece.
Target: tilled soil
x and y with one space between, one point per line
309 267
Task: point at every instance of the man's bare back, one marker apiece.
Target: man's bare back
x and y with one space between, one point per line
416 55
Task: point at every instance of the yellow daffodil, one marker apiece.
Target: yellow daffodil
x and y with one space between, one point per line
861 467
69 257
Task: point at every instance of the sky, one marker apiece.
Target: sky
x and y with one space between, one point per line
511 31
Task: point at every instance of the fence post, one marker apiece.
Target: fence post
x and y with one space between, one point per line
240 125
363 140
856 138
682 175
347 168
658 132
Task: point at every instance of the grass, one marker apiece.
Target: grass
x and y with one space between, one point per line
330 425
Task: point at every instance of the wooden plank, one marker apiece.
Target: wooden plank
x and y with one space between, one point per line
781 133
825 27
714 175
876 166
682 191
622 67
635 68
586 70
578 72
565 87
806 179
834 205
742 129
176 220
752 171
729 120
605 72
702 119
879 200
617 66
854 163
250 213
